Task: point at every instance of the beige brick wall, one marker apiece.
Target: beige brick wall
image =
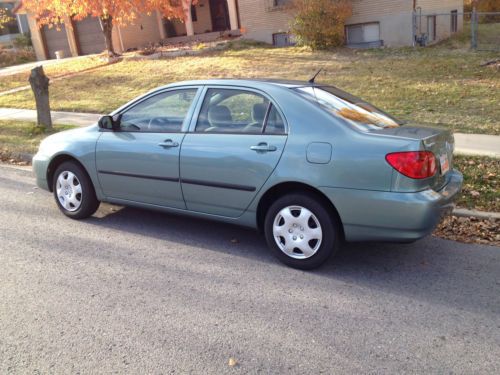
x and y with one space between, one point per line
142 32
442 10
260 20
203 23
440 5
393 16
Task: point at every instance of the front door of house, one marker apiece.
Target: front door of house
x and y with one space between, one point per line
220 15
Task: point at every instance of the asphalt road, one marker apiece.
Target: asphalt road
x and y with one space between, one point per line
131 291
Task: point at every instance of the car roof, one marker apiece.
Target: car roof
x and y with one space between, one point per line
253 82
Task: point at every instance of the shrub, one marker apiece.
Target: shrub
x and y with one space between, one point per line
320 23
9 57
22 41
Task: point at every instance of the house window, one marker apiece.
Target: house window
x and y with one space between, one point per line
431 28
283 40
363 33
280 3
454 21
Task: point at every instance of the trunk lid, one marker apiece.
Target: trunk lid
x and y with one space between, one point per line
439 141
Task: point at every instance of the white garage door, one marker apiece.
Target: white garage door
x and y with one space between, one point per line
56 40
90 37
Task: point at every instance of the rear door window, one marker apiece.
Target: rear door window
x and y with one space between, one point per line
232 111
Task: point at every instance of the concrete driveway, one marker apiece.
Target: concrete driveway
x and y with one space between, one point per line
131 291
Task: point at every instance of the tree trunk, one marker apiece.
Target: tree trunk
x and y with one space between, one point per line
107 30
40 85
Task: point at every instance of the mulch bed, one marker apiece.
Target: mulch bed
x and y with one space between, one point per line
470 230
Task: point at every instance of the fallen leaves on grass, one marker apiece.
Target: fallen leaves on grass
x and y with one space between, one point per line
470 230
481 189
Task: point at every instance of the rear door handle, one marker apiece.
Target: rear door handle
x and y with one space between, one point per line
263 147
168 144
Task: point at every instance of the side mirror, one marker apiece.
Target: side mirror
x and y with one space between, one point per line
106 122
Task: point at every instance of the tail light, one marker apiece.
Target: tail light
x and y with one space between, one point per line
413 164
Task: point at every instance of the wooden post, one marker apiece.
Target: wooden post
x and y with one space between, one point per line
40 85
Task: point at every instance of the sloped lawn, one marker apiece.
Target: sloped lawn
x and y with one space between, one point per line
438 85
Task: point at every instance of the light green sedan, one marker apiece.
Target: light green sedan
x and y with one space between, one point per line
308 165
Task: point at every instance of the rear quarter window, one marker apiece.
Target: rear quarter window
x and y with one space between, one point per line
354 110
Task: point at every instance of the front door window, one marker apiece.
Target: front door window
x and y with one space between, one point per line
162 113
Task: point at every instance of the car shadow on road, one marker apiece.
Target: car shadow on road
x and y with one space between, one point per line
431 270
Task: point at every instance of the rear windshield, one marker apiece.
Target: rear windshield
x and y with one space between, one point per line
350 108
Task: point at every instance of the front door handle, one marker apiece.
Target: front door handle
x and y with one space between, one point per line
168 144
263 147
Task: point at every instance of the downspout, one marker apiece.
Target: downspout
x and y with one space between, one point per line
120 38
414 23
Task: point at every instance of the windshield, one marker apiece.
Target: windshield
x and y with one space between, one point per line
349 107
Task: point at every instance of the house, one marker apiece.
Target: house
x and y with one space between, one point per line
18 25
373 23
393 23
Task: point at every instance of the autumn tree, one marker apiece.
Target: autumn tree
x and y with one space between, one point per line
109 12
320 23
483 5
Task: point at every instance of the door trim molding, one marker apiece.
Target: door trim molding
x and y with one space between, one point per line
218 185
157 178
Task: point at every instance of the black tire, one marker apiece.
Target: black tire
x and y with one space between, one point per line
88 201
327 220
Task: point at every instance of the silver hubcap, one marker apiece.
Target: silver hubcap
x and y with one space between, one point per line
69 191
297 232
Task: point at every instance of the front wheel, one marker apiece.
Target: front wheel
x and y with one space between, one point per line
300 231
74 192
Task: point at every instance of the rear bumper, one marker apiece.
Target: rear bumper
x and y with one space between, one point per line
389 216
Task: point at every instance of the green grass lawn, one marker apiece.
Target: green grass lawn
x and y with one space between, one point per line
481 189
437 85
22 138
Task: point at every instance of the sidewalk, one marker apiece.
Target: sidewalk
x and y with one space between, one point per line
477 144
466 144
15 69
61 118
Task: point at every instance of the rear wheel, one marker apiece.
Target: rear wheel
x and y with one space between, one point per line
301 232
74 192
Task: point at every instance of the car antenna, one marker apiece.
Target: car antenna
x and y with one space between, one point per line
314 77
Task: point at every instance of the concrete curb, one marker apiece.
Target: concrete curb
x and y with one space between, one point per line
462 212
459 212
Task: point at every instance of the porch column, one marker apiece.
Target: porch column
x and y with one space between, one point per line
233 14
159 19
188 21
37 38
70 34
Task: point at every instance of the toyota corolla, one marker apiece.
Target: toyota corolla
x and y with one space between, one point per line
308 165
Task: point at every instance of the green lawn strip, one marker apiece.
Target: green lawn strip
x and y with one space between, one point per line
53 71
438 85
19 137
481 182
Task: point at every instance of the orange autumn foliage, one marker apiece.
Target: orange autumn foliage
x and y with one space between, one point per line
110 12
